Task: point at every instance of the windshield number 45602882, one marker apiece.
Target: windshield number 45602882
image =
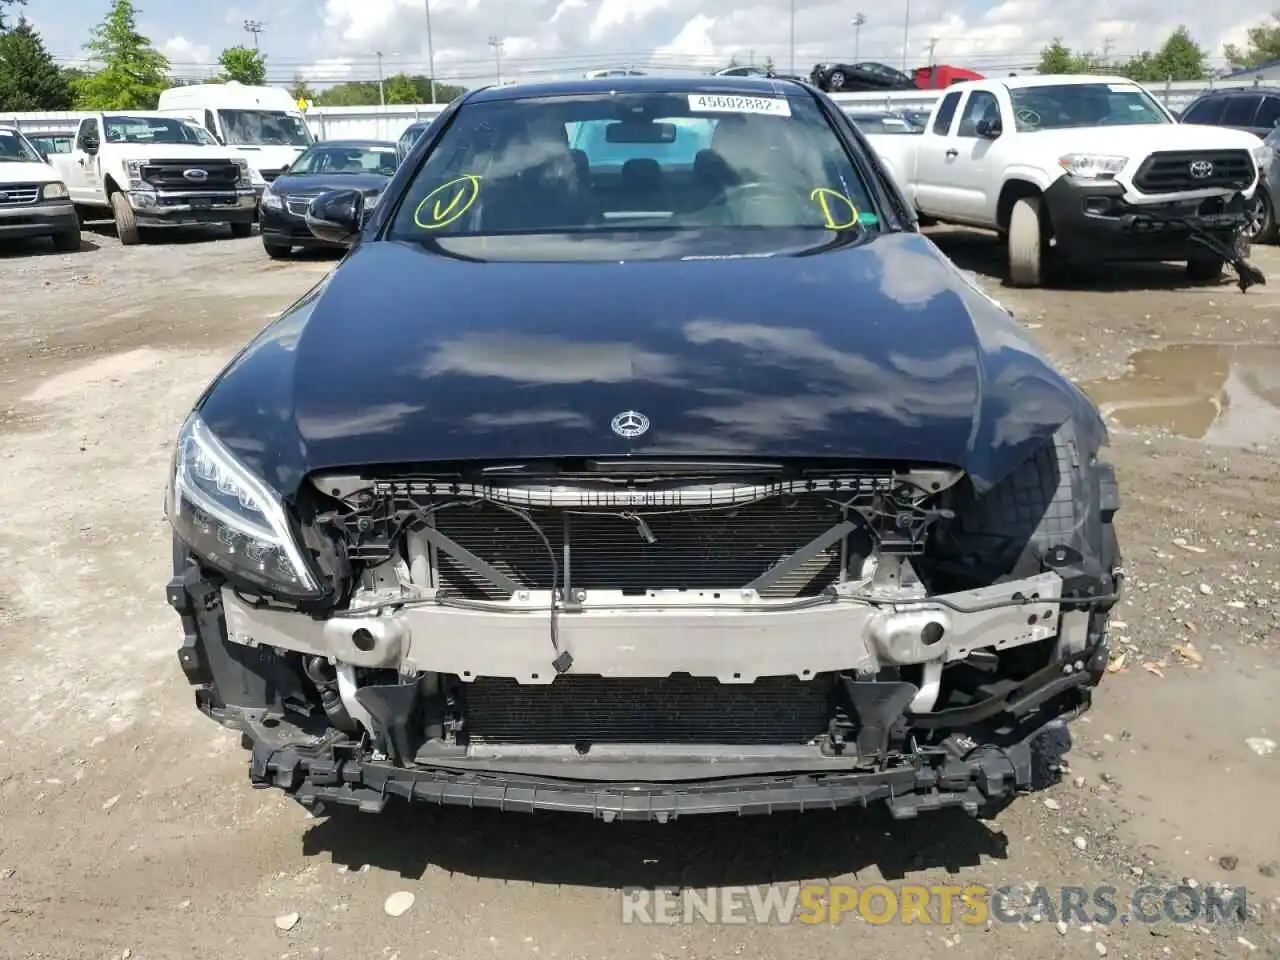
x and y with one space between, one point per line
713 103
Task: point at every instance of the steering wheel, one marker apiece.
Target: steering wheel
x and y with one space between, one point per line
756 190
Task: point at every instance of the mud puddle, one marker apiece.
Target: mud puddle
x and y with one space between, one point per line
1219 394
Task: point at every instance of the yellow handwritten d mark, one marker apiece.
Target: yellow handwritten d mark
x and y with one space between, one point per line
465 191
823 196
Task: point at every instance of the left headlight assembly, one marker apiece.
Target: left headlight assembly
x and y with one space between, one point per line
231 519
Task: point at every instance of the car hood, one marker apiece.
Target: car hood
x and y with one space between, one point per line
1140 139
22 172
307 184
171 151
880 350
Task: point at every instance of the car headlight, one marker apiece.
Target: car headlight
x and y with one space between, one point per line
246 172
1263 155
1092 166
271 200
54 191
230 518
371 201
134 169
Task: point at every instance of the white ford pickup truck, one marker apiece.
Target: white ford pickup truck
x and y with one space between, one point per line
151 170
1089 168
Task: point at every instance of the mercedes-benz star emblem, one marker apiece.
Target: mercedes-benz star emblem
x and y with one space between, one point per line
196 174
1201 169
630 423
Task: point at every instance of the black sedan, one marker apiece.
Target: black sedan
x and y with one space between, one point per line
855 77
364 165
700 482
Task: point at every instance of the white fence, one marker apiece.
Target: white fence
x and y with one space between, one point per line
387 123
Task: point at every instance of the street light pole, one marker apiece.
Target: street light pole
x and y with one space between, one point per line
431 54
858 20
496 43
906 33
793 38
382 97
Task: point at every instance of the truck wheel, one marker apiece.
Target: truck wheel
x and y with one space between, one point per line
1205 267
68 241
1026 241
276 251
241 230
1262 225
126 224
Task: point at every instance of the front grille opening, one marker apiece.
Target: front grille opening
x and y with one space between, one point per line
691 550
584 710
1171 171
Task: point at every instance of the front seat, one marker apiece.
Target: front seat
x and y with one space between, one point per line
543 189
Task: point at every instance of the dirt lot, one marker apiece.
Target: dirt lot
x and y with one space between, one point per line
128 827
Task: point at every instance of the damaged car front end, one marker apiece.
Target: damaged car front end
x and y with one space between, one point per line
612 538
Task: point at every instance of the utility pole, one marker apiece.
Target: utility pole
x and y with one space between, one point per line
1107 44
254 27
793 37
933 43
858 20
496 43
382 96
431 54
906 34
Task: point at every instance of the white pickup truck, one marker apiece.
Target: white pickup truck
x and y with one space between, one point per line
151 170
1090 168
33 201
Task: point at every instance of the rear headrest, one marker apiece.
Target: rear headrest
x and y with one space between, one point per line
644 170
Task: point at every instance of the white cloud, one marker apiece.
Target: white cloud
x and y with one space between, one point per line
548 38
183 53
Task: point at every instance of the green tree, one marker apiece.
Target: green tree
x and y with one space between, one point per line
400 88
29 79
132 72
243 65
1263 45
1179 58
1057 58
300 89
8 3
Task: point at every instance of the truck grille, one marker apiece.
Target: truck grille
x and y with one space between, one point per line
689 550
1171 171
171 175
676 709
16 194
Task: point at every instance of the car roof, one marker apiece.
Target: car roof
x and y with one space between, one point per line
742 86
1251 90
1060 79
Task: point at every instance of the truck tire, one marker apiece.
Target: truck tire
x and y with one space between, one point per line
1026 242
241 230
1263 228
68 241
1205 267
126 224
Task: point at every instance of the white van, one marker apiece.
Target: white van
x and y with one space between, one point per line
263 124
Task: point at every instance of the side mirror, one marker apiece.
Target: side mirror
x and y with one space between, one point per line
987 129
90 144
336 216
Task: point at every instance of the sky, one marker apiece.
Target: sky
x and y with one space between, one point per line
330 41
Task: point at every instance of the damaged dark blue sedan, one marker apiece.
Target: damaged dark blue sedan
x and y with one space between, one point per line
642 459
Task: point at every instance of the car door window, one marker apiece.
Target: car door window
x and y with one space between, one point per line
942 122
982 105
88 131
1206 111
1268 114
1240 111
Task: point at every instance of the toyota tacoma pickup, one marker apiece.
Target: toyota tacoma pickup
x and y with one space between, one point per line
148 170
704 485
1086 168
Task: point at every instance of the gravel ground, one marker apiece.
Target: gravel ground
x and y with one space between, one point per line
128 828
